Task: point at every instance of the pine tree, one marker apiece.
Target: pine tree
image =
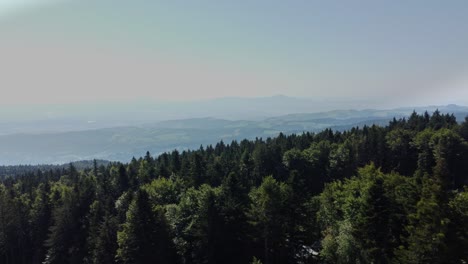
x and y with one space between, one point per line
144 237
105 248
268 215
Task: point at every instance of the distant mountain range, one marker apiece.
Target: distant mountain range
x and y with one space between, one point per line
36 119
121 143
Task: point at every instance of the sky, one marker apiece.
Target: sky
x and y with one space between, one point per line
394 53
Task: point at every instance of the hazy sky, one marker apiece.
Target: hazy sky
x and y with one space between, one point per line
398 52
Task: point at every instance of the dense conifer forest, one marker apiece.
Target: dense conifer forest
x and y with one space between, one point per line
393 194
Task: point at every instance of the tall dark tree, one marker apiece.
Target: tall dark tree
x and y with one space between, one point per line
145 236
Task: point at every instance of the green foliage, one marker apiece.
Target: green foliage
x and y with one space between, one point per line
163 191
144 237
255 261
197 219
427 228
368 195
458 226
269 215
363 218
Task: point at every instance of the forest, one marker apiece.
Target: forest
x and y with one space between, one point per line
371 194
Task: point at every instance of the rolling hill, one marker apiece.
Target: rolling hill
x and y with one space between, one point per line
123 142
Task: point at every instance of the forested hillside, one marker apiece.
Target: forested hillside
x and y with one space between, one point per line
14 170
392 194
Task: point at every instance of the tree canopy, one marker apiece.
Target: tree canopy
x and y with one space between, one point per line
393 194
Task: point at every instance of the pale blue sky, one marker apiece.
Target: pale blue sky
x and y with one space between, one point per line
396 52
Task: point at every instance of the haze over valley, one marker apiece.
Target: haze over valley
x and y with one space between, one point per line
118 134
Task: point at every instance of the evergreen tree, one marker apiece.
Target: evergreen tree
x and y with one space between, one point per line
144 237
268 215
